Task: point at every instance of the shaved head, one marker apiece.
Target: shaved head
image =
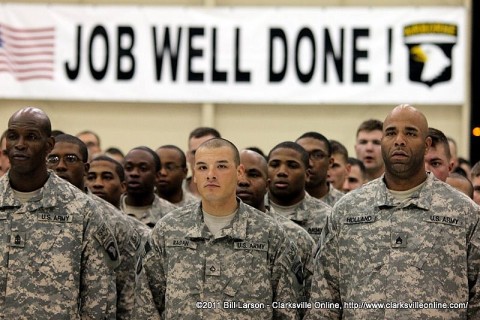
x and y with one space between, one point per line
404 144
29 141
417 118
252 186
37 116
249 154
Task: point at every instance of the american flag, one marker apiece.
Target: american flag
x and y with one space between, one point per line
27 54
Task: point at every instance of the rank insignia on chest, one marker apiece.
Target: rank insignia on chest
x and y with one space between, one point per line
17 239
212 270
398 239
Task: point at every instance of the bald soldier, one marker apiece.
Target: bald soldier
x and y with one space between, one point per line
58 255
406 240
219 258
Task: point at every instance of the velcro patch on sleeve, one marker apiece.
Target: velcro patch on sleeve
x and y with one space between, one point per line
105 237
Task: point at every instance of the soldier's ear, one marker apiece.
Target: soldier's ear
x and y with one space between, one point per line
50 144
86 167
428 144
240 170
157 176
185 172
123 186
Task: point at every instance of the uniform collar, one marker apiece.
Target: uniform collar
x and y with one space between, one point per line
50 194
301 213
421 199
237 229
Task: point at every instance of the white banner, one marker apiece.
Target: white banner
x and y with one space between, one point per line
301 55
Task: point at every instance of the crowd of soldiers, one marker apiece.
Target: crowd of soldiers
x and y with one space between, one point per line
304 231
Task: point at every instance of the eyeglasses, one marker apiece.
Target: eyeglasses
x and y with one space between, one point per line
169 167
317 155
68 159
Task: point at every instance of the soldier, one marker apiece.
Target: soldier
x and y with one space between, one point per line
464 167
106 179
173 173
475 178
252 188
59 255
357 176
69 159
340 168
367 147
461 183
253 185
114 153
320 151
438 159
219 258
452 146
195 139
142 170
406 241
92 141
4 162
287 172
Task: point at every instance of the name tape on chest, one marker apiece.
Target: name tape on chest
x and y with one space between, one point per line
360 219
314 230
445 220
181 243
52 217
245 245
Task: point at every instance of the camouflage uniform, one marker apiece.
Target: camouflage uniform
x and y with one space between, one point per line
58 256
160 207
250 261
186 190
311 215
140 227
377 249
130 241
305 246
187 198
332 196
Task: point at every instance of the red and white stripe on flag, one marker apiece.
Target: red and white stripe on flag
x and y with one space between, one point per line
27 54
